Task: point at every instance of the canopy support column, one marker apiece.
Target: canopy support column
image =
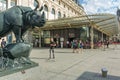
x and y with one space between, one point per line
92 38
102 36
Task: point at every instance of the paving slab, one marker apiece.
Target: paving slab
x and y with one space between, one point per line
71 66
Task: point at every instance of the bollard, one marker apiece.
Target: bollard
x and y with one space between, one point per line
104 72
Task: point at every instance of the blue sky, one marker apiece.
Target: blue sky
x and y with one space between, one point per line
100 6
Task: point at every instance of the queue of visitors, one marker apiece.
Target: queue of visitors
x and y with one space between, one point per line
77 46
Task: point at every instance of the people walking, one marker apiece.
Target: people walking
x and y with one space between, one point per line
75 46
107 43
80 46
103 45
67 44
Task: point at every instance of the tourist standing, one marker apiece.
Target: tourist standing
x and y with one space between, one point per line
51 51
3 43
107 43
67 44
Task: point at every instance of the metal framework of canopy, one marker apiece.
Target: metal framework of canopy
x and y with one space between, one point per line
106 23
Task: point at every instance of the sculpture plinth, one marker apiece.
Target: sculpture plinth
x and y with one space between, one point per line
15 57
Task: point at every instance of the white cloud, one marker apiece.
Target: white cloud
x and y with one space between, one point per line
101 6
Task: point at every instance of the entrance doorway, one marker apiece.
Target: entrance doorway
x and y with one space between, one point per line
70 41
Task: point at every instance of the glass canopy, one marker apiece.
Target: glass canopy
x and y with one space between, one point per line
106 23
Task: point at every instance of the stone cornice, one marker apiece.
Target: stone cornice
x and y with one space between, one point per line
74 6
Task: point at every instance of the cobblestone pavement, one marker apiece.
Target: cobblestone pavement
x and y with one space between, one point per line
72 66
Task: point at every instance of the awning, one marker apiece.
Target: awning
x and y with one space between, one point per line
106 23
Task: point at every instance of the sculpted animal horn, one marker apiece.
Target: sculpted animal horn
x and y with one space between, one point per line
41 8
37 5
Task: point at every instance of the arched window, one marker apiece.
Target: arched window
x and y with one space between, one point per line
59 2
46 11
53 11
13 2
59 14
35 3
52 14
64 15
4 5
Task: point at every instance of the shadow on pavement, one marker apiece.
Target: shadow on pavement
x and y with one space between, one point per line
37 58
96 76
63 52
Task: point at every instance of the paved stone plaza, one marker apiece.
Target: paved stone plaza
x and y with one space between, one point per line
72 66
